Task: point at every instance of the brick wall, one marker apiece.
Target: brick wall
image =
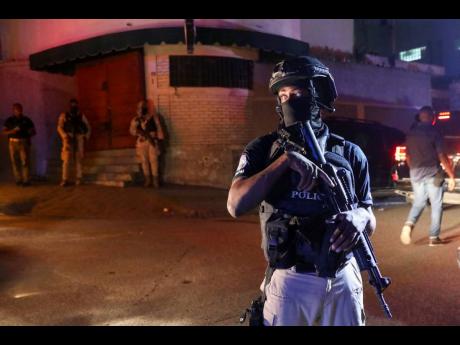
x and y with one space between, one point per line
205 127
209 127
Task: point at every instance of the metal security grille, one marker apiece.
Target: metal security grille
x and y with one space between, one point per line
210 71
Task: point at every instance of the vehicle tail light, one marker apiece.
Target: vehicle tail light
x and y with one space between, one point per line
445 115
400 153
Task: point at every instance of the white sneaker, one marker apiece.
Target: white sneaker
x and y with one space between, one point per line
405 234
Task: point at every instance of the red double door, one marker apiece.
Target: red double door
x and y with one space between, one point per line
108 90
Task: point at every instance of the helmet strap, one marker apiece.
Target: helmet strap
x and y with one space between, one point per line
278 109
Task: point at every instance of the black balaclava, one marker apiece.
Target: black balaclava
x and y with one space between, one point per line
144 110
302 109
74 109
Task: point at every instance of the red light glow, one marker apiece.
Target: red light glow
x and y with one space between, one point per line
400 153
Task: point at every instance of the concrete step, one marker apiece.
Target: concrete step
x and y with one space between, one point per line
111 153
115 168
113 177
111 168
110 183
121 160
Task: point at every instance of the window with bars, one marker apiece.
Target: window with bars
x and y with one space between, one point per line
210 71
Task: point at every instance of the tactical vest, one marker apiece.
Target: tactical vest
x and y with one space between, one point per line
150 126
289 234
75 124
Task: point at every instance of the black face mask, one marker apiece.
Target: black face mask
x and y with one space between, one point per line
301 109
74 109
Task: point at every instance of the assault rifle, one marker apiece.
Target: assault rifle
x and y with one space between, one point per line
339 199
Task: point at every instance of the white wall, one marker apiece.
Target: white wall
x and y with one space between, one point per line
22 37
333 33
283 27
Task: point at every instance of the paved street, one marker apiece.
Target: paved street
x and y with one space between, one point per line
182 260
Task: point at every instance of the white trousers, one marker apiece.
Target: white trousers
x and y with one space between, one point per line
302 299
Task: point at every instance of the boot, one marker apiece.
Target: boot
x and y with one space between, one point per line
156 182
64 183
148 181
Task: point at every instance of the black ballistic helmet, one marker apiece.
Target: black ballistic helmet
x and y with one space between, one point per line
300 69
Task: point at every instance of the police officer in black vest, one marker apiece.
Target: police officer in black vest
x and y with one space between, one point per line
19 129
285 184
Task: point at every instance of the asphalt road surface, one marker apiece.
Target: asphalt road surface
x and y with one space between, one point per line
190 269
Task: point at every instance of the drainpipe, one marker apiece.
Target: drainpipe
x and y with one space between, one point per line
190 34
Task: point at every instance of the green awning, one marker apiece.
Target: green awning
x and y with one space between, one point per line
62 59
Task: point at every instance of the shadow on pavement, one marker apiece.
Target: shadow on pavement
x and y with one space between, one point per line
18 208
12 266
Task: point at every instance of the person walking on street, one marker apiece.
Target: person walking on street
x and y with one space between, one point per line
424 156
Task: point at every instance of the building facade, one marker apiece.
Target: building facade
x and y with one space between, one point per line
208 82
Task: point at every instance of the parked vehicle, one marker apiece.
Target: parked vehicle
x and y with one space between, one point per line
378 142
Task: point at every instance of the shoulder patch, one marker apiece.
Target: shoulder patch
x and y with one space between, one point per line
242 164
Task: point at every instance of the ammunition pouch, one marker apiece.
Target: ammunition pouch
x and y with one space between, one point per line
280 243
75 124
303 242
329 262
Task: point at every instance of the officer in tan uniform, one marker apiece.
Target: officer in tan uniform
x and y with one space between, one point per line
19 129
146 126
73 128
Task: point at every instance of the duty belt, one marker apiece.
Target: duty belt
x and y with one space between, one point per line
308 267
142 139
308 262
305 267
